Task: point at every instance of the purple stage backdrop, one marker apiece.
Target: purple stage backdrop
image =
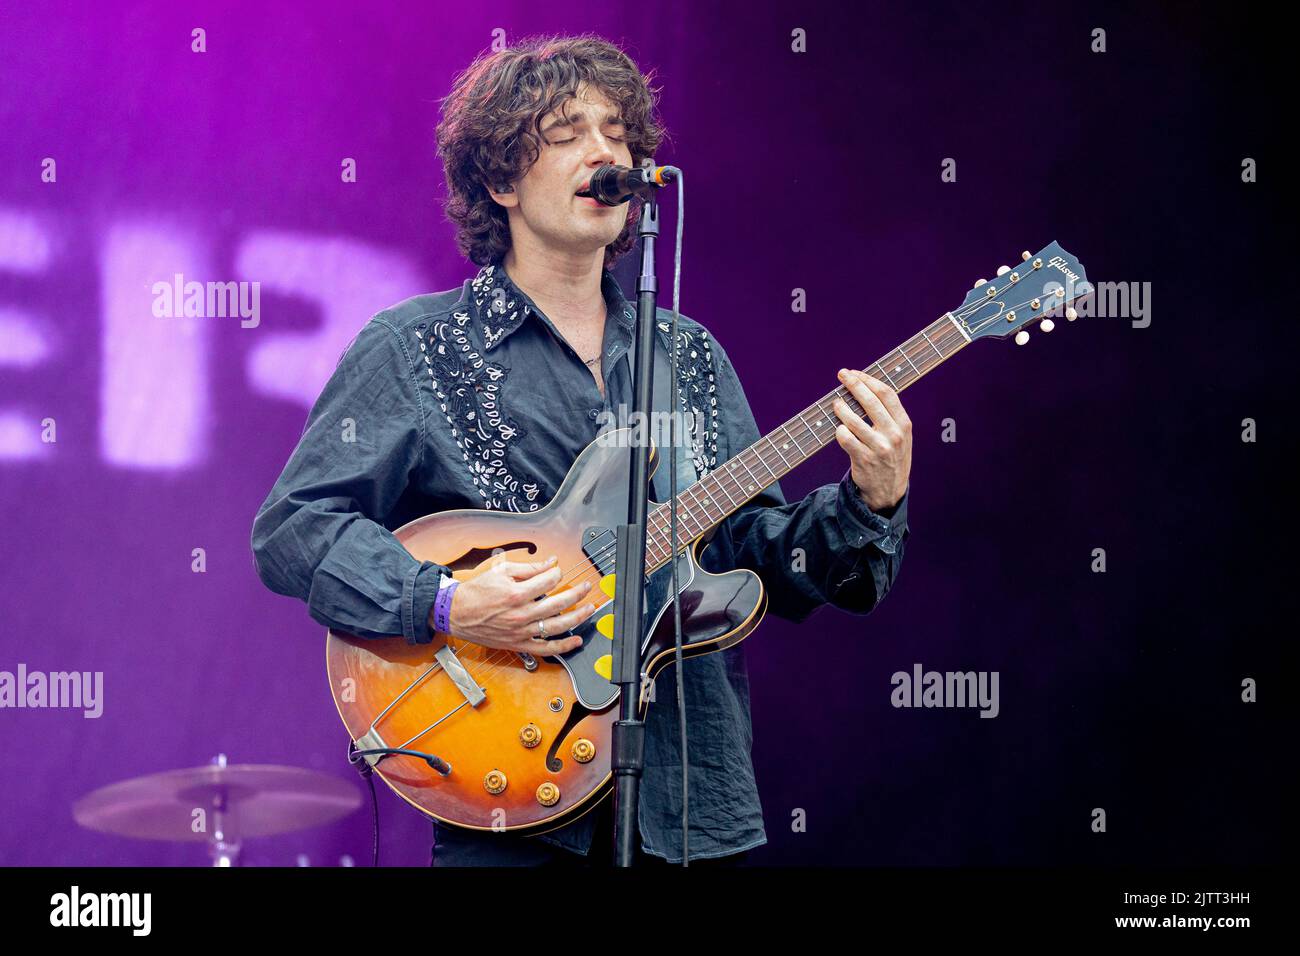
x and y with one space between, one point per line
1091 514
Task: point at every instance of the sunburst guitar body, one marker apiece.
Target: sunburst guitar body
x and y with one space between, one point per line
527 741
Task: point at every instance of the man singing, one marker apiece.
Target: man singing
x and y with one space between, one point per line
484 395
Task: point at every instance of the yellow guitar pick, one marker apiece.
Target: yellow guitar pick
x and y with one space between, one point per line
606 625
604 665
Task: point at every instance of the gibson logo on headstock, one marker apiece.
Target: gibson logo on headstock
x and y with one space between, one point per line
1057 262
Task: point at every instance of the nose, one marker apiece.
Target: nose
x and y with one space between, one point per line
602 152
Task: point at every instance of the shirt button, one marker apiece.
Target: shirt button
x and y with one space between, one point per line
594 414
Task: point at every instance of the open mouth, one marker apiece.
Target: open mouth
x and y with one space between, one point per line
585 191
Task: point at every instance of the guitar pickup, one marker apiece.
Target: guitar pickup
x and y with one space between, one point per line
454 669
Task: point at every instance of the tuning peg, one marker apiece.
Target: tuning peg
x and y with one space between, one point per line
1047 325
1003 270
1070 314
1022 337
1024 256
980 282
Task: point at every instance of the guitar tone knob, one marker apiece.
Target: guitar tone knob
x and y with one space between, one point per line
530 735
583 750
494 781
548 794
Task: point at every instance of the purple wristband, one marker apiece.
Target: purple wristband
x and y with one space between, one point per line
442 605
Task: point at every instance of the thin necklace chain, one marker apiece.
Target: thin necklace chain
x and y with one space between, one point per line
595 358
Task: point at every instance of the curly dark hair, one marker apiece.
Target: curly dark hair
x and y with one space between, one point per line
490 133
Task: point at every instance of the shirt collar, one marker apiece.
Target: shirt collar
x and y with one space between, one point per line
501 307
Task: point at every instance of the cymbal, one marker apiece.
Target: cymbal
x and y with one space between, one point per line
226 802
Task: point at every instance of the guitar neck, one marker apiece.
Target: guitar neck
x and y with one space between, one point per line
726 489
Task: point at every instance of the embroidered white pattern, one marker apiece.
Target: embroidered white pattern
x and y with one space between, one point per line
469 392
468 388
495 323
697 394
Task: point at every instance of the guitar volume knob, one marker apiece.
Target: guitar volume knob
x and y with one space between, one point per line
583 750
494 781
548 794
530 735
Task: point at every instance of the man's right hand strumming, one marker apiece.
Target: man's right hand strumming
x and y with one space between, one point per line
501 608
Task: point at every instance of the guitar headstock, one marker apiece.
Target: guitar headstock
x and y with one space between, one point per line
1043 287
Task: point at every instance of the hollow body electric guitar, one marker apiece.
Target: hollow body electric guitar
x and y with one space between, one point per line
520 743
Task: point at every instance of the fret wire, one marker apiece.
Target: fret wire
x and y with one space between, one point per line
723 488
758 452
682 526
778 451
932 345
704 504
909 360
916 371
754 477
729 470
925 358
804 422
829 417
665 535
689 511
797 446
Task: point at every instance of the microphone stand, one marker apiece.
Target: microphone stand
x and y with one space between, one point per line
628 741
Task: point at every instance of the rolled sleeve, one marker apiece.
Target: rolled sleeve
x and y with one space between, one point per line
418 600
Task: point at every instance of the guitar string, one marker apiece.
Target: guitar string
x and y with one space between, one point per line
500 657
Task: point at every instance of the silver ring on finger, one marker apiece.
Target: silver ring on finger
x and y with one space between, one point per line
541 630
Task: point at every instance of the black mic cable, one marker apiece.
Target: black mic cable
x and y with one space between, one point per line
672 494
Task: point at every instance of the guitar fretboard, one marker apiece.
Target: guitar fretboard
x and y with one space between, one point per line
739 480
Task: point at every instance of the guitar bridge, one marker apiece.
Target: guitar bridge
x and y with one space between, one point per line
454 669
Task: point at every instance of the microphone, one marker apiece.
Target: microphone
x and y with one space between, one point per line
612 185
